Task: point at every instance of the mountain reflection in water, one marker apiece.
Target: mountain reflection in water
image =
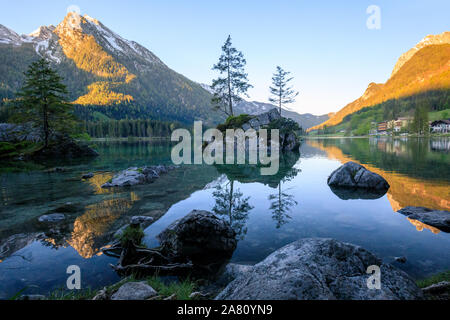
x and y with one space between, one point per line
267 212
402 156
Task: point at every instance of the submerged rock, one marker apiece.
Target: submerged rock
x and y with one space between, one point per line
54 217
319 269
400 259
134 291
141 220
200 234
135 176
436 218
87 176
353 175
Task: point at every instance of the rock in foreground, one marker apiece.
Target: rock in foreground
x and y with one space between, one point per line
319 269
353 175
435 218
135 176
134 291
199 234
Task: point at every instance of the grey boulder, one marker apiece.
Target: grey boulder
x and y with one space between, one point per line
198 234
140 219
319 269
134 291
436 218
136 176
353 175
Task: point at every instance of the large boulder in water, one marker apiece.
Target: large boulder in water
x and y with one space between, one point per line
319 269
354 175
435 218
199 235
135 176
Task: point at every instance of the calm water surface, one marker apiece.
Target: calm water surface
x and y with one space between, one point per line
267 212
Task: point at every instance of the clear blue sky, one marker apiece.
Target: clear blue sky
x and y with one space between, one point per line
325 44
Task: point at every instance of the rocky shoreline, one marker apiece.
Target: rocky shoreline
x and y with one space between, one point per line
307 269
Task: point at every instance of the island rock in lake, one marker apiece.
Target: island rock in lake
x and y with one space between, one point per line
435 218
135 176
319 269
289 140
65 147
354 175
200 234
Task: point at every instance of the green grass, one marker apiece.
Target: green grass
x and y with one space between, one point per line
439 115
234 122
134 234
182 289
443 276
9 150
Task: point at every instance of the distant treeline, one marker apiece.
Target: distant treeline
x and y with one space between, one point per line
129 128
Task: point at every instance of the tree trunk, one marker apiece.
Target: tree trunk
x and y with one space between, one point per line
280 99
46 130
230 101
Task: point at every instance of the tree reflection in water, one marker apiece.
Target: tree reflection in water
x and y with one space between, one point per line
231 204
282 202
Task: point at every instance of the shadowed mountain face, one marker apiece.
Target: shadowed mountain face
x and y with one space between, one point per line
424 68
101 68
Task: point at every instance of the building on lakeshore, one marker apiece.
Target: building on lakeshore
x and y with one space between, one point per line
440 126
382 127
393 125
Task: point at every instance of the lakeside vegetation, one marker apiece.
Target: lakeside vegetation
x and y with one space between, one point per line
174 289
421 108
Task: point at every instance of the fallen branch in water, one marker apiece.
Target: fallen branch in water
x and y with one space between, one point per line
171 269
134 259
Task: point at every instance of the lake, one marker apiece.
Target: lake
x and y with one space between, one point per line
268 212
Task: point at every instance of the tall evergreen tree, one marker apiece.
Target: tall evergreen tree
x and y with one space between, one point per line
282 94
41 101
228 88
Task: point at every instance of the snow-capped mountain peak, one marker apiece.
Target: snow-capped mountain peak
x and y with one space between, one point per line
9 36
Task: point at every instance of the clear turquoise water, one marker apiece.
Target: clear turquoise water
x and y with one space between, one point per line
268 212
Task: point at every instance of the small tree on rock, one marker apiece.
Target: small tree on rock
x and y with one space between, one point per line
228 88
282 94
